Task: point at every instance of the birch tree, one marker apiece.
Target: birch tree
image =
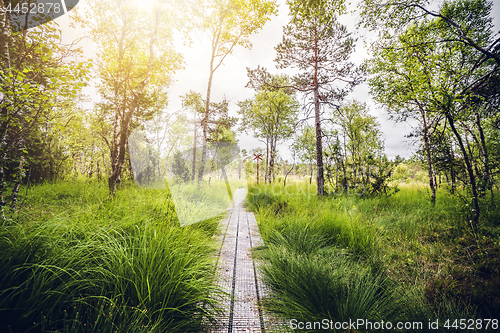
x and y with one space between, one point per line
136 63
228 24
438 77
271 116
38 74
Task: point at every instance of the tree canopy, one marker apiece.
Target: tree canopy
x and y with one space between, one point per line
271 116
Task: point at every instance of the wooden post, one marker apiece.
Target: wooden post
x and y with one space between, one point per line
240 164
193 167
257 157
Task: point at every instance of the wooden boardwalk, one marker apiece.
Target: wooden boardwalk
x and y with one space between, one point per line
238 273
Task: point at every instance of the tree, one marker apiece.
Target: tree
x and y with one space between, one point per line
457 17
36 78
228 23
354 149
71 140
319 46
134 71
179 168
215 123
176 135
271 116
395 83
305 147
222 144
363 135
438 77
335 160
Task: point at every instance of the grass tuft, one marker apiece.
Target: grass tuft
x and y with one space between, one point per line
76 261
397 258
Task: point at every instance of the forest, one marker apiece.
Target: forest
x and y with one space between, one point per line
111 196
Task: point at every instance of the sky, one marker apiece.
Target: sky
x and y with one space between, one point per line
231 78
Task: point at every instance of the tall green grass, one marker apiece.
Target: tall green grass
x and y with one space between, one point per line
76 261
195 202
347 257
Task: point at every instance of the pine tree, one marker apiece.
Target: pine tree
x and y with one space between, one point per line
319 46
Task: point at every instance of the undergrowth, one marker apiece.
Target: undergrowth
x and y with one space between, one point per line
392 258
73 260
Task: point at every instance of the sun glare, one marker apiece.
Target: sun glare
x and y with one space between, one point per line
144 4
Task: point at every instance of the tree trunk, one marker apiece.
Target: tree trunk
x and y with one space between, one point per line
2 189
452 170
469 149
91 170
428 155
4 35
207 112
311 176
344 168
104 162
267 160
271 160
434 178
17 184
119 152
98 171
320 179
120 156
475 199
286 175
483 150
5 58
